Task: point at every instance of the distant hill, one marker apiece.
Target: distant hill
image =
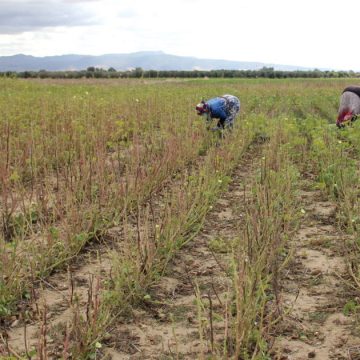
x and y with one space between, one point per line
148 60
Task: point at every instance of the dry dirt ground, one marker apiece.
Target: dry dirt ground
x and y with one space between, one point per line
168 326
174 320
55 305
314 289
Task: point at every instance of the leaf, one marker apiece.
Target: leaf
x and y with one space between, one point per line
15 176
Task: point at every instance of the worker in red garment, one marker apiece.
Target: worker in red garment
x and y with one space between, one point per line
349 108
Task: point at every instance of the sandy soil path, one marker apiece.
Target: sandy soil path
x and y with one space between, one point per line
314 293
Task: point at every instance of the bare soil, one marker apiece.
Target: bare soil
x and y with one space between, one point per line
56 300
167 322
172 324
314 289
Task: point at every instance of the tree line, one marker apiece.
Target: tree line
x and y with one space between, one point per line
111 73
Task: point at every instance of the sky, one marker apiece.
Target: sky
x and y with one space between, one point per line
310 33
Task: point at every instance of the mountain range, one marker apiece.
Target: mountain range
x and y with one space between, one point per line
148 60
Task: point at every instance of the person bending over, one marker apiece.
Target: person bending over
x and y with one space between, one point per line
224 108
349 108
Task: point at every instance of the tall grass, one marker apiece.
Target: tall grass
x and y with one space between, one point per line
153 239
251 308
78 158
72 160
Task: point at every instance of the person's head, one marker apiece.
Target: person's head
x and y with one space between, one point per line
202 108
344 118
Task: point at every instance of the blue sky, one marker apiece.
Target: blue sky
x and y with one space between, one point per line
305 33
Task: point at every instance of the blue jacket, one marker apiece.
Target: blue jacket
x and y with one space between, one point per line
217 107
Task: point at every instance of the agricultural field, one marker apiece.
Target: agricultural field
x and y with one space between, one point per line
129 231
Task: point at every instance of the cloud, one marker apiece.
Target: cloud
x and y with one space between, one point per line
79 1
21 16
279 31
127 13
